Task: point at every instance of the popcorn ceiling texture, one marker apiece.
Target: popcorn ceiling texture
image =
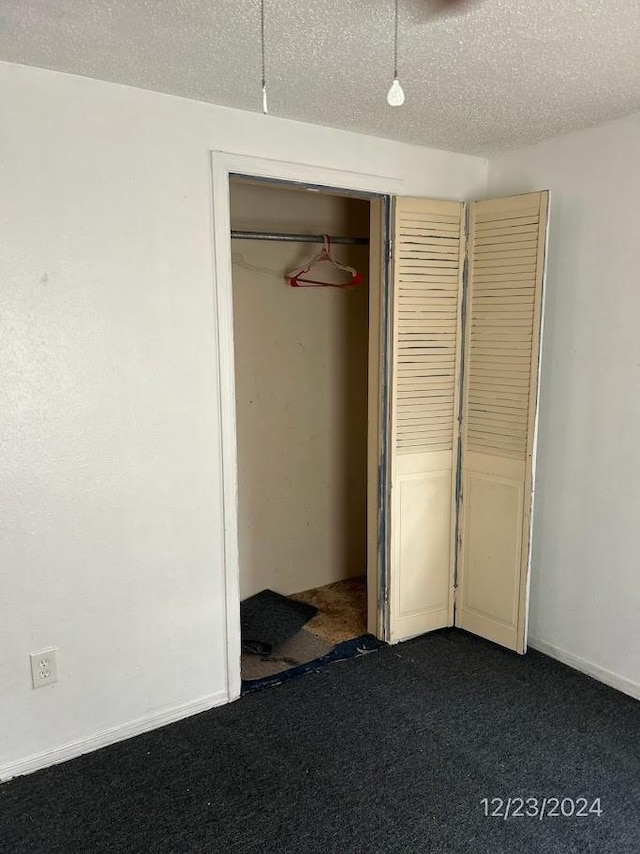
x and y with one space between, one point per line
504 73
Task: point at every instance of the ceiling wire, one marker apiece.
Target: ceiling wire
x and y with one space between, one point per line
395 43
265 108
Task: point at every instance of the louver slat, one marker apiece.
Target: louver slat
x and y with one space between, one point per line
502 316
427 316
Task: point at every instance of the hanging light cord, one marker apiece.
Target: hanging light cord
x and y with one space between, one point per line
395 43
264 64
395 95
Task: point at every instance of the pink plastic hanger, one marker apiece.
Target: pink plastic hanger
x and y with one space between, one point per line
296 279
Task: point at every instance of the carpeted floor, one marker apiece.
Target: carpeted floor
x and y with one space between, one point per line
389 753
268 619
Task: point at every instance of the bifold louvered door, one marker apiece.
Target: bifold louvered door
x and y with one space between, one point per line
506 246
428 245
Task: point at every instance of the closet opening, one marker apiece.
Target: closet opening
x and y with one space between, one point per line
309 313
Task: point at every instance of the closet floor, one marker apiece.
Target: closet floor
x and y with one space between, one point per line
342 616
342 610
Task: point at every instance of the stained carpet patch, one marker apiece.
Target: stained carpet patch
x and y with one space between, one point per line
340 652
299 649
342 609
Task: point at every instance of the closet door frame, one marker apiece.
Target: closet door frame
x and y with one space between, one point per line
226 165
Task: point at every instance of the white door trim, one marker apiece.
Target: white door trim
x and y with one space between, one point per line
224 164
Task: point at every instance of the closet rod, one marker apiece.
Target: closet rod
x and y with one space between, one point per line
297 238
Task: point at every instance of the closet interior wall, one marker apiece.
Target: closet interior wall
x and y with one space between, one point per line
301 394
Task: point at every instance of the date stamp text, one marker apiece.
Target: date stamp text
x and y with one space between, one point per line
541 807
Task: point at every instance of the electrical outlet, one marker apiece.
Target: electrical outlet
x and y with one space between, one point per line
44 667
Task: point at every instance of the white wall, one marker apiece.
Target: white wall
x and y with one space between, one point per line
585 593
301 394
111 545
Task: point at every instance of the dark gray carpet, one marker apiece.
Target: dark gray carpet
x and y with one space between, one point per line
390 752
267 619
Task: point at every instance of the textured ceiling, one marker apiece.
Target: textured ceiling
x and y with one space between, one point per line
503 74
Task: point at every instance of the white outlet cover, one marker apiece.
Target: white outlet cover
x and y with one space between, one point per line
44 667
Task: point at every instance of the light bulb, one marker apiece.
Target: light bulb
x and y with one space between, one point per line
265 108
395 95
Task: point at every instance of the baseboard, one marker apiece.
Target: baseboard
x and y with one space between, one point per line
110 736
620 683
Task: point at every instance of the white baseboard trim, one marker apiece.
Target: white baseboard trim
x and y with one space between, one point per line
620 683
110 736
